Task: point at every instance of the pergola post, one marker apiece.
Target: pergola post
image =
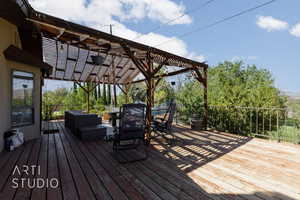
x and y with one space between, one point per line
87 91
114 84
125 90
150 99
202 78
146 68
205 98
88 98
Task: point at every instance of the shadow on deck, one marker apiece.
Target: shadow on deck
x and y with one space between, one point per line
201 165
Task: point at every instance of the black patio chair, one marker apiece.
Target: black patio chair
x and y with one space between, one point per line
130 134
163 126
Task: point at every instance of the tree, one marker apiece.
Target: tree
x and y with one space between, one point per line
190 98
95 92
104 94
53 101
75 87
138 93
234 84
99 91
109 95
164 92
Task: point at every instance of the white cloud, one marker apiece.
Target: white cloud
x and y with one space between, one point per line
271 24
99 13
194 56
236 58
243 58
252 58
163 11
295 30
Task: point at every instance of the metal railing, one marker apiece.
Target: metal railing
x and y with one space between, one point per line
271 123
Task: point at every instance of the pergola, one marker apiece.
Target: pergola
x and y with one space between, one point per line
70 48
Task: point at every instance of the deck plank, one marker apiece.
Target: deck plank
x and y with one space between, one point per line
135 183
200 165
24 192
14 179
4 158
82 186
7 169
191 162
140 166
41 193
96 185
68 185
102 174
53 171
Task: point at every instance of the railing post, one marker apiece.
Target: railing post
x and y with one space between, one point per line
250 122
270 121
263 122
278 126
256 124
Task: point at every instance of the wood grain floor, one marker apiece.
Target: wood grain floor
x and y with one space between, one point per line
200 165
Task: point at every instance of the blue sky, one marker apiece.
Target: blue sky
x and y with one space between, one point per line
268 46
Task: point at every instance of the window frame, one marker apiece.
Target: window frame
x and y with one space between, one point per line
12 94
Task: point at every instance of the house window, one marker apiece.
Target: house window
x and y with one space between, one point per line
22 99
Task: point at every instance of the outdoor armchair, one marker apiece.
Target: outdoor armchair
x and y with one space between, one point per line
131 132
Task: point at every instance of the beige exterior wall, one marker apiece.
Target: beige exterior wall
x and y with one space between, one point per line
8 36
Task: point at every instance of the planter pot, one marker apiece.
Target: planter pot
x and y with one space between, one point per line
196 122
106 116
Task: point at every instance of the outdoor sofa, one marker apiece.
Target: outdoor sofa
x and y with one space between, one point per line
85 126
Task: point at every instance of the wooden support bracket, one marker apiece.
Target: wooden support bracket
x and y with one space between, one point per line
160 66
137 63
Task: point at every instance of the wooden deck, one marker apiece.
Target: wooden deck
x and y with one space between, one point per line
202 165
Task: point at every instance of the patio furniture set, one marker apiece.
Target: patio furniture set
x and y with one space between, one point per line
129 134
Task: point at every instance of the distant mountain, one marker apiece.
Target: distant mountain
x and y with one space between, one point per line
291 95
19 93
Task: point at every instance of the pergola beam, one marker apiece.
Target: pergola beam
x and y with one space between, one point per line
61 32
166 74
134 60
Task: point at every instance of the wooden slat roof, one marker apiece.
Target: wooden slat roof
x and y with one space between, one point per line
68 48
72 63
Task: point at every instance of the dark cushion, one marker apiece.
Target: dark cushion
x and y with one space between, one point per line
92 132
76 119
129 135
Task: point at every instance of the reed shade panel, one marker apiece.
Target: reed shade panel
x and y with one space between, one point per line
69 48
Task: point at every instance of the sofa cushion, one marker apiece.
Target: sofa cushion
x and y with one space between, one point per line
95 132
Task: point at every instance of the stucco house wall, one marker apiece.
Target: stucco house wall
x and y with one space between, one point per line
9 36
